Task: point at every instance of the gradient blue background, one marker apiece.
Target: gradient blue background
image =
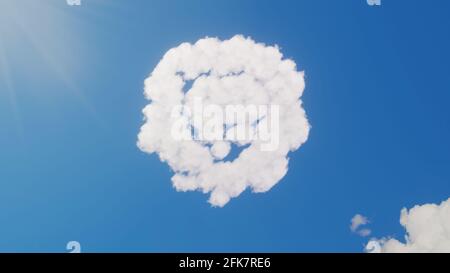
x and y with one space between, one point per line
377 97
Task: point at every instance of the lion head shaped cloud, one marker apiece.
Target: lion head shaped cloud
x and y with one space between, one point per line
234 72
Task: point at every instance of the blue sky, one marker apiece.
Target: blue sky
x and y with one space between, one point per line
71 83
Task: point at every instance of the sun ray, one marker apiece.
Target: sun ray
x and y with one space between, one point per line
5 75
53 25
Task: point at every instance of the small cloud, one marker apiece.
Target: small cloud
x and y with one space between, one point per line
427 230
356 222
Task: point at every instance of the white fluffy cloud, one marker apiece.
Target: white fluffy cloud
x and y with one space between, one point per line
237 71
356 222
427 230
